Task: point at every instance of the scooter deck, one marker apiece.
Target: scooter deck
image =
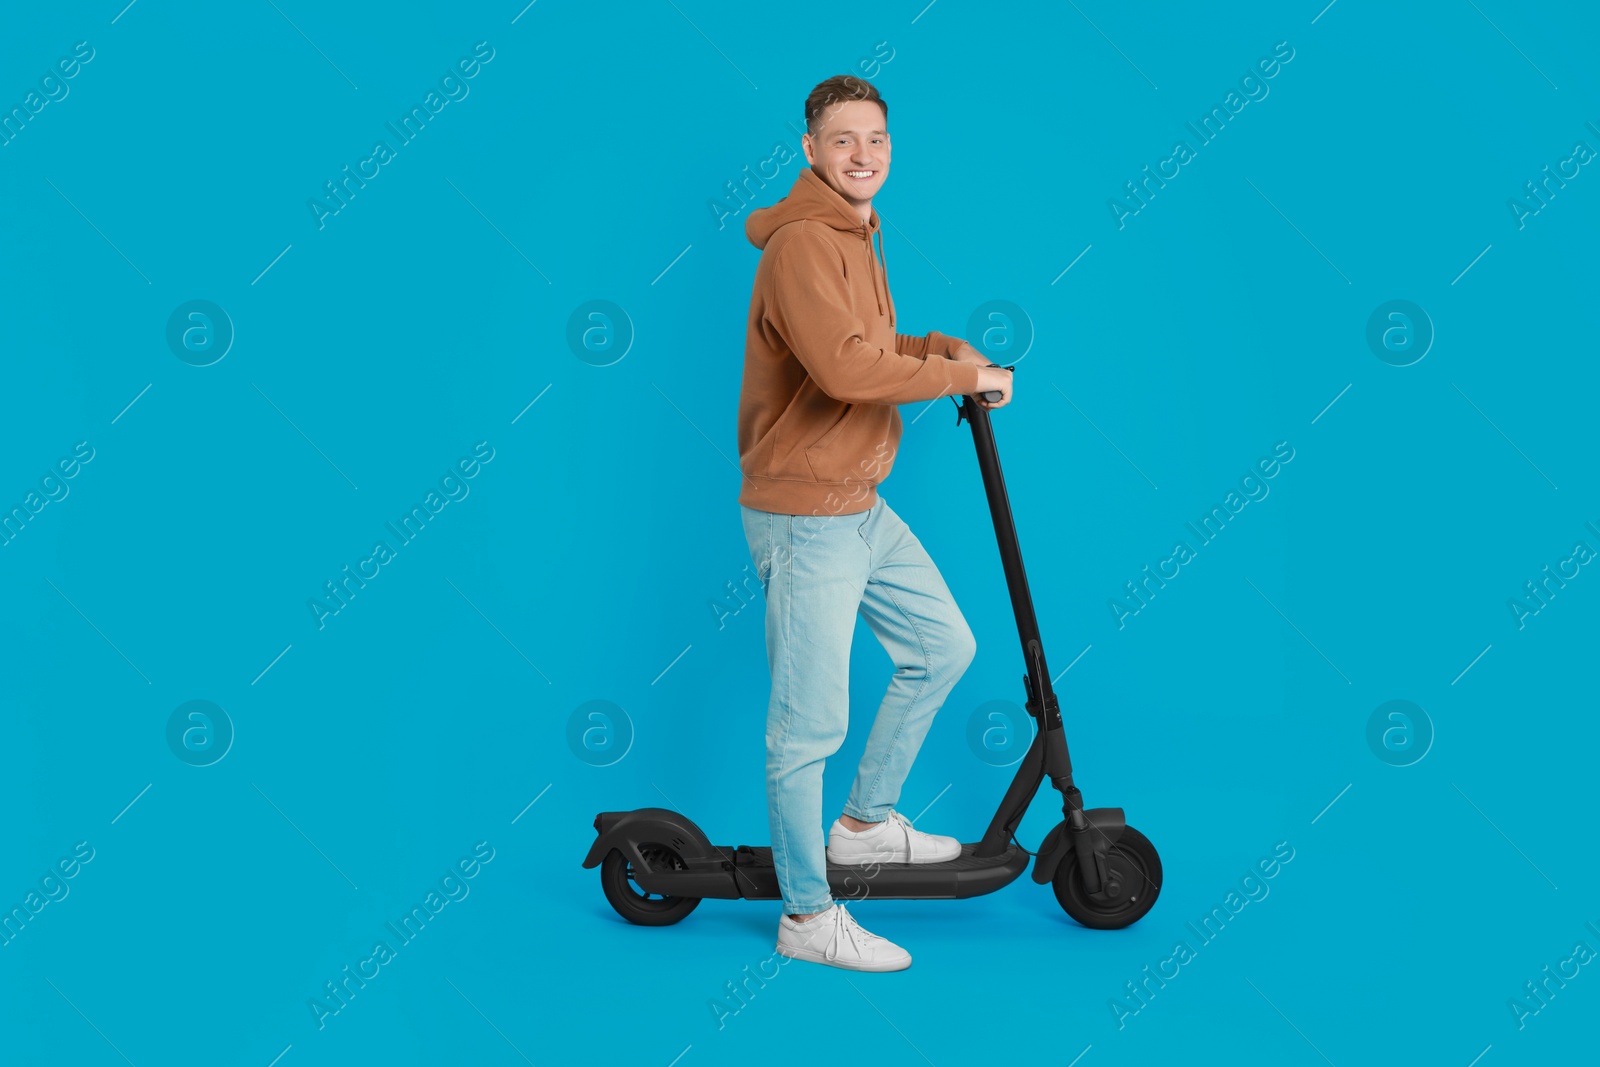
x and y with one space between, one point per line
967 875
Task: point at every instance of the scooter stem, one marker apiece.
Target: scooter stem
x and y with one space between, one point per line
1005 534
1048 755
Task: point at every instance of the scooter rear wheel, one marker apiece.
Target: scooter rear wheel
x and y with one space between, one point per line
640 905
1134 876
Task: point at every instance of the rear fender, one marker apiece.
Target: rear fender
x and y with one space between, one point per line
627 830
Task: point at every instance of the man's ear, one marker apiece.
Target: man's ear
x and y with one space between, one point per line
805 147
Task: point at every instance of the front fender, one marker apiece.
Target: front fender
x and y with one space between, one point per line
1105 826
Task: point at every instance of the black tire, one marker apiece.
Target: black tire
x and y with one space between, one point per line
1134 871
635 904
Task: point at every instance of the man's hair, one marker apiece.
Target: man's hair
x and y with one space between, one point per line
826 98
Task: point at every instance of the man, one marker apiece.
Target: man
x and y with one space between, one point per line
818 429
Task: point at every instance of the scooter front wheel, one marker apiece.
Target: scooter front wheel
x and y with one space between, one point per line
640 905
1133 881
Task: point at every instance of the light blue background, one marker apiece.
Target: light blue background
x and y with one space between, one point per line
370 355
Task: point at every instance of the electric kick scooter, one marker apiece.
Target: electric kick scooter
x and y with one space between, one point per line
656 865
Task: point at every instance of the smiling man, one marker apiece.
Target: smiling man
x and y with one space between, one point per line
818 431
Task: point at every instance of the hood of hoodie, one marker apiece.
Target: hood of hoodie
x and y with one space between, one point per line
814 199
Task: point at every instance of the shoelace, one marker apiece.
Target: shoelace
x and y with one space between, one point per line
907 829
843 922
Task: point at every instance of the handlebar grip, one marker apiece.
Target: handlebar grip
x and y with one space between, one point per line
993 395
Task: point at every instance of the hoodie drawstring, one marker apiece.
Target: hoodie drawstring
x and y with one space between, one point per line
885 257
873 263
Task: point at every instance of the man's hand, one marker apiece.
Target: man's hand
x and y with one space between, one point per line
991 377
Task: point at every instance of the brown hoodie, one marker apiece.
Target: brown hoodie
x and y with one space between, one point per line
823 365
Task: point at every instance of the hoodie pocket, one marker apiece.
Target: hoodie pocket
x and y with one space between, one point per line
814 451
836 456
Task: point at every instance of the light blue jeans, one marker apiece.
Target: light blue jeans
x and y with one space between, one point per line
818 573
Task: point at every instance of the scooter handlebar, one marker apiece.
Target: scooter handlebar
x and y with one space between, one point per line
992 395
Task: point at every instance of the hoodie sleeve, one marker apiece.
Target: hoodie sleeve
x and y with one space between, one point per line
912 344
810 309
925 345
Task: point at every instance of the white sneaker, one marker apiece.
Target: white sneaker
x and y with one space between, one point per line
891 841
835 939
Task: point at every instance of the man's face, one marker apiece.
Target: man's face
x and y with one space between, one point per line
851 151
